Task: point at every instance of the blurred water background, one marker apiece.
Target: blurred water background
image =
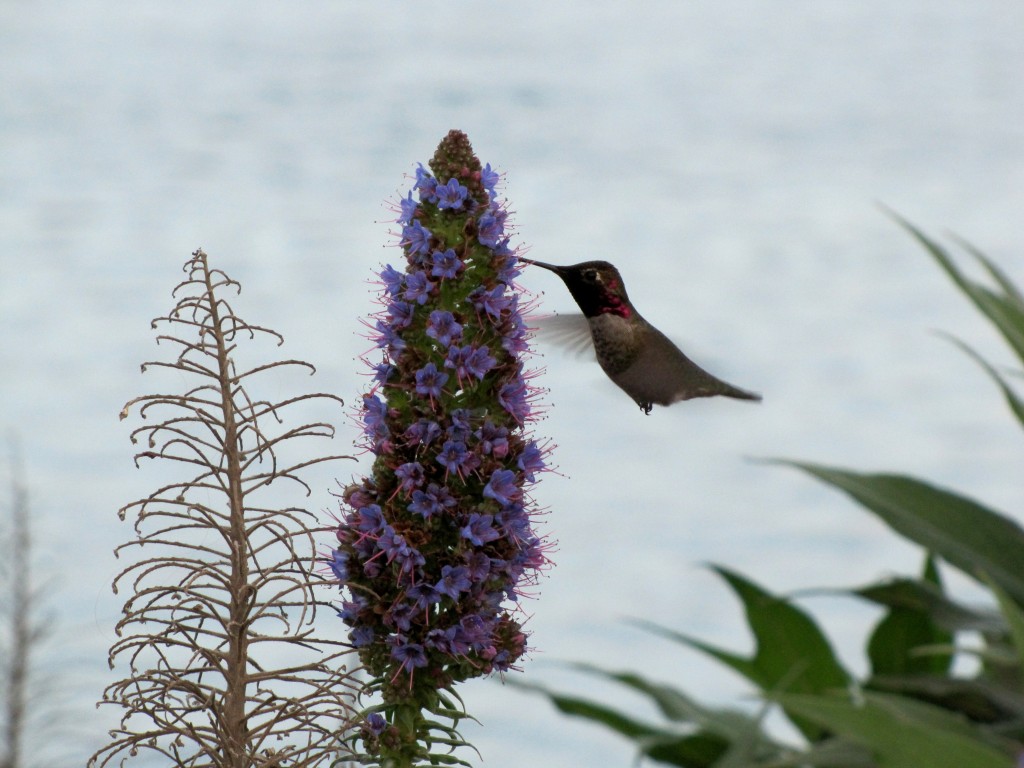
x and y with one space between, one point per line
728 157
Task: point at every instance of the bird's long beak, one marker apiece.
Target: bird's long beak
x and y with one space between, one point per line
550 267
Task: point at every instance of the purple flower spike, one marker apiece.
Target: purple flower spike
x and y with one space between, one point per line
438 543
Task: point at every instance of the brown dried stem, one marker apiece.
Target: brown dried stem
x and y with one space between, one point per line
226 670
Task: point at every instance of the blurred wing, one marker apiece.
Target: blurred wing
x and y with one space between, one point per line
570 333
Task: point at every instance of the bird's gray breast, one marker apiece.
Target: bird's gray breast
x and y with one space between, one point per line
616 341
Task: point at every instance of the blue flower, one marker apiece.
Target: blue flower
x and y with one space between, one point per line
423 432
416 238
400 616
531 461
492 227
418 287
494 302
375 410
451 195
361 636
376 723
339 565
446 264
423 596
453 455
515 340
370 519
510 270
479 362
478 566
392 279
407 209
429 381
435 500
382 372
475 630
493 440
461 426
456 359
407 654
410 476
426 184
479 530
489 178
392 544
502 486
453 581
389 338
400 314
350 609
512 397
442 326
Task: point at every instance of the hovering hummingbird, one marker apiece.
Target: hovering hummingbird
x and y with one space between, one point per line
638 357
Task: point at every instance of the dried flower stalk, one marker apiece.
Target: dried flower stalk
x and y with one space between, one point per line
226 670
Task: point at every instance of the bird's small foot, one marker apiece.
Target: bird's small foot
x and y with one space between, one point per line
646 408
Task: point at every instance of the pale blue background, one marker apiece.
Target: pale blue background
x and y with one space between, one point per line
727 156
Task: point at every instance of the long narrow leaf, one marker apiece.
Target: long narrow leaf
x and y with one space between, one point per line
588 710
916 595
1004 311
1014 615
901 732
1013 400
734 661
966 534
678 707
994 271
979 699
698 750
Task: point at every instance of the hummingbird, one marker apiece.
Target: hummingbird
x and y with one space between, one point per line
637 357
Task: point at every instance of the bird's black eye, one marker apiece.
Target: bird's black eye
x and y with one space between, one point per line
591 276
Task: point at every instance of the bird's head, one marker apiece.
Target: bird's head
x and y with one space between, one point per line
595 285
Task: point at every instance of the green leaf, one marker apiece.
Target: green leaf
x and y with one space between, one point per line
734 661
923 597
894 646
792 653
677 706
698 750
1014 616
966 534
1005 311
1013 400
997 274
830 753
588 710
980 700
902 733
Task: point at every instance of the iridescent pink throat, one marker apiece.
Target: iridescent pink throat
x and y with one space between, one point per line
614 304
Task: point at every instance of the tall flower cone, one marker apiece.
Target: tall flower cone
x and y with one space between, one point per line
437 543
